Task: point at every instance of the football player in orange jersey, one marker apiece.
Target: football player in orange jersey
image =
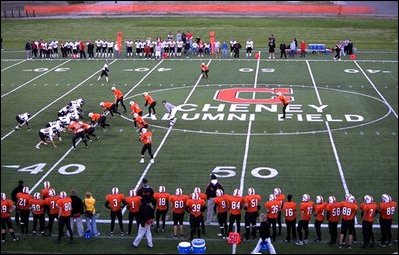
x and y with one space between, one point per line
319 212
23 207
162 207
118 98
178 204
7 206
37 208
204 70
289 210
146 139
284 101
387 209
149 100
369 209
195 206
133 204
235 206
115 202
306 210
221 208
251 206
273 206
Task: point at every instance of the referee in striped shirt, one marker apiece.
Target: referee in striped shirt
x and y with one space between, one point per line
171 110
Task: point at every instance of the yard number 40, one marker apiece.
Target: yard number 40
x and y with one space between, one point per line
259 172
65 170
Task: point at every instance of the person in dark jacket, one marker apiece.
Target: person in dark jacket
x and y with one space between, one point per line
264 233
210 192
283 46
77 212
14 193
146 192
147 209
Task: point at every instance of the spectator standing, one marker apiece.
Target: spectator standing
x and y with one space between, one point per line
210 192
272 47
14 193
82 52
77 212
28 50
236 49
2 43
337 50
264 233
146 221
283 46
292 49
90 213
303 49
90 49
7 206
225 48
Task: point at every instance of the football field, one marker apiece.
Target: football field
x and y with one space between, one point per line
339 135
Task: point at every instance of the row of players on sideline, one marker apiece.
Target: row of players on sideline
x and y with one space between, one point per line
225 205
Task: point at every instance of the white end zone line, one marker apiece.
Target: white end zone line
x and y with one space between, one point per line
77 86
164 138
341 172
375 88
8 67
37 77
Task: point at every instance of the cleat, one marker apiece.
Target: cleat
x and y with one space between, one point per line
15 239
142 161
122 233
152 161
111 233
300 243
37 147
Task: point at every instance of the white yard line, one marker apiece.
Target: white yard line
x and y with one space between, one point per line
164 138
337 160
77 86
37 77
375 88
8 67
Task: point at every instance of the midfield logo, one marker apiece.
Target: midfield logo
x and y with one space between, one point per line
233 95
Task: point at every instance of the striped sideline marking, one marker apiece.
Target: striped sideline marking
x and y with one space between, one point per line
164 138
77 86
37 77
341 172
375 88
8 67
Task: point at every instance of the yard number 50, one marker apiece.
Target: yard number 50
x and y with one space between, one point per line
259 172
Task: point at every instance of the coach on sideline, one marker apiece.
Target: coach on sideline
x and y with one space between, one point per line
210 192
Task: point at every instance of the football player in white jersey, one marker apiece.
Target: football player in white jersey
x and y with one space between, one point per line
23 119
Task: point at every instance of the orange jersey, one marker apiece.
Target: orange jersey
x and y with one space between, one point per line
204 68
162 200
95 117
51 202
148 99
118 94
6 207
133 203
387 210
140 121
369 211
272 209
334 211
235 204
75 127
221 204
85 126
107 105
135 108
115 201
37 206
65 206
44 193
178 203
306 210
23 201
195 207
203 196
320 211
289 210
281 198
252 202
146 138
283 99
348 210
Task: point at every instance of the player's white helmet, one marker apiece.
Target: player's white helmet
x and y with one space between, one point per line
368 199
132 193
276 191
131 102
51 192
25 190
145 93
90 114
115 191
179 192
63 194
386 198
319 199
272 197
305 197
143 130
197 189
135 115
219 192
237 192
331 199
162 189
113 88
46 184
351 199
251 191
3 196
37 195
102 104
202 63
195 196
